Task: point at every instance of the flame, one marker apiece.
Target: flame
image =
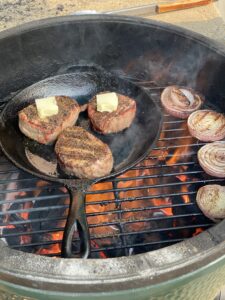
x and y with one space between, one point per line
99 208
159 157
53 248
40 184
10 226
163 202
129 211
197 231
184 188
182 152
27 205
25 239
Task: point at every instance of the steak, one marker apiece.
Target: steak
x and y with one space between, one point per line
81 154
46 130
112 122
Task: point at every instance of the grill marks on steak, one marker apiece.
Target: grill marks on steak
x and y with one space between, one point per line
82 154
112 122
46 130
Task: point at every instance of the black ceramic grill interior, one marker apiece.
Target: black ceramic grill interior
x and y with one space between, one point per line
122 216
149 207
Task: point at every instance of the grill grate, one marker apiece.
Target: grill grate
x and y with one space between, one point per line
149 207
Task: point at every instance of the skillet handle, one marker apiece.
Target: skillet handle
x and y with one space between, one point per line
76 221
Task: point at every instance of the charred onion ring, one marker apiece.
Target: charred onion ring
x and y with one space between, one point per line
211 201
180 102
207 125
211 158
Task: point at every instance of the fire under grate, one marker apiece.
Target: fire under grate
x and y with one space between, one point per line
149 207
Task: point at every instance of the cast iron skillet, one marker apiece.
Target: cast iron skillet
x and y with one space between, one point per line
128 147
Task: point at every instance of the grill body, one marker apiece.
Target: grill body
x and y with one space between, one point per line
141 51
185 291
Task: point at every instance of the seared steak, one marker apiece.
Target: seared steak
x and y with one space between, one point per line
111 122
81 154
46 130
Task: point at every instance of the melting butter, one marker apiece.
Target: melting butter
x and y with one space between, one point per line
107 102
47 107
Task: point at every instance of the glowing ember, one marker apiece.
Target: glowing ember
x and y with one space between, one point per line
99 212
197 231
53 248
140 207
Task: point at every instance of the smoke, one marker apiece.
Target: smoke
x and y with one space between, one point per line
182 62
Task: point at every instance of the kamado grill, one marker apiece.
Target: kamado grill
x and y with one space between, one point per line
148 238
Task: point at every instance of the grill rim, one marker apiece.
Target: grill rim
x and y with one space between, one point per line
52 21
123 273
195 260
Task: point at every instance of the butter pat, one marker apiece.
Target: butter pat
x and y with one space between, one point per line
47 107
107 102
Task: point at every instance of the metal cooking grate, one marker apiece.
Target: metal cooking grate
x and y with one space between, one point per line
149 207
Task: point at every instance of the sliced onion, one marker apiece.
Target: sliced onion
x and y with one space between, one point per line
207 125
211 157
211 201
180 102
188 95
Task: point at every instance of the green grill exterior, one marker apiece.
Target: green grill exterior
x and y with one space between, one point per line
192 269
